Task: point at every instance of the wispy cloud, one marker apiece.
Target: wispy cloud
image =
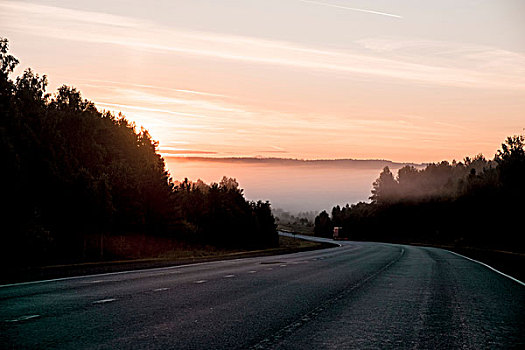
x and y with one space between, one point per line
140 35
158 88
147 109
477 57
148 99
68 15
177 152
352 8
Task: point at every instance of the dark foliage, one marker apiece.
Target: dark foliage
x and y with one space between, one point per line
218 214
70 172
476 203
323 225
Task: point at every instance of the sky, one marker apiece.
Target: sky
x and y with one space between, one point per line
408 81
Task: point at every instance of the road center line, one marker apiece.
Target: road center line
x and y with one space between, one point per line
229 276
23 318
272 340
200 281
103 301
160 289
252 271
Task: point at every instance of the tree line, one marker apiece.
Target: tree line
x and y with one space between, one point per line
71 171
475 203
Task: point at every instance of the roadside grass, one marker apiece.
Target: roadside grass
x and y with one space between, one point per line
124 253
297 228
296 243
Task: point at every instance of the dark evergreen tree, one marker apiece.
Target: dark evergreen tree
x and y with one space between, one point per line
71 173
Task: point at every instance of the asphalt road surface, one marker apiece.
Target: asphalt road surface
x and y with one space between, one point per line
359 295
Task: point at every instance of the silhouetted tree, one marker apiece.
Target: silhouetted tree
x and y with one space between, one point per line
471 203
385 188
323 225
71 172
511 164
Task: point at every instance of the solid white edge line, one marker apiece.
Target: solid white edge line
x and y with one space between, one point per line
490 267
113 273
141 270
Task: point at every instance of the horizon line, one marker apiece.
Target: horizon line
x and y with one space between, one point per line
252 158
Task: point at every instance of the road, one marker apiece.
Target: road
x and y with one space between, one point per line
359 295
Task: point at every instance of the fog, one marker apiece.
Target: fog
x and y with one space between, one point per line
294 186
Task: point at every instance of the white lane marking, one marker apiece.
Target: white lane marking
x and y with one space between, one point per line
160 289
121 273
200 281
23 318
229 276
269 269
252 271
271 341
306 238
490 267
165 273
103 301
98 281
283 265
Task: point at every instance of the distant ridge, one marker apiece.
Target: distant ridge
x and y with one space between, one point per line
337 163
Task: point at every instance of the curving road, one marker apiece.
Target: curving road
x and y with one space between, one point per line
359 295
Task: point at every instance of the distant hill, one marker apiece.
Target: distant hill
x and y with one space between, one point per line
336 163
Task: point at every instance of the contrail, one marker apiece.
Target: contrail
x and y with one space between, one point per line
352 8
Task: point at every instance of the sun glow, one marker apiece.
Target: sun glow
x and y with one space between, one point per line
376 92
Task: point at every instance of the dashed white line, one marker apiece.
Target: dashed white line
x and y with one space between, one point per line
252 271
23 318
117 273
200 281
160 289
229 276
283 265
98 281
103 301
269 269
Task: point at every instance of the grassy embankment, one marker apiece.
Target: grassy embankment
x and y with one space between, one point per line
297 228
140 252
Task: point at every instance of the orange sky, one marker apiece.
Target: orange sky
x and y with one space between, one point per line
400 80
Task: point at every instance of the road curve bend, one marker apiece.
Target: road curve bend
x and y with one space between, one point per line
359 295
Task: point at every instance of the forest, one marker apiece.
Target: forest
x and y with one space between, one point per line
473 203
72 175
